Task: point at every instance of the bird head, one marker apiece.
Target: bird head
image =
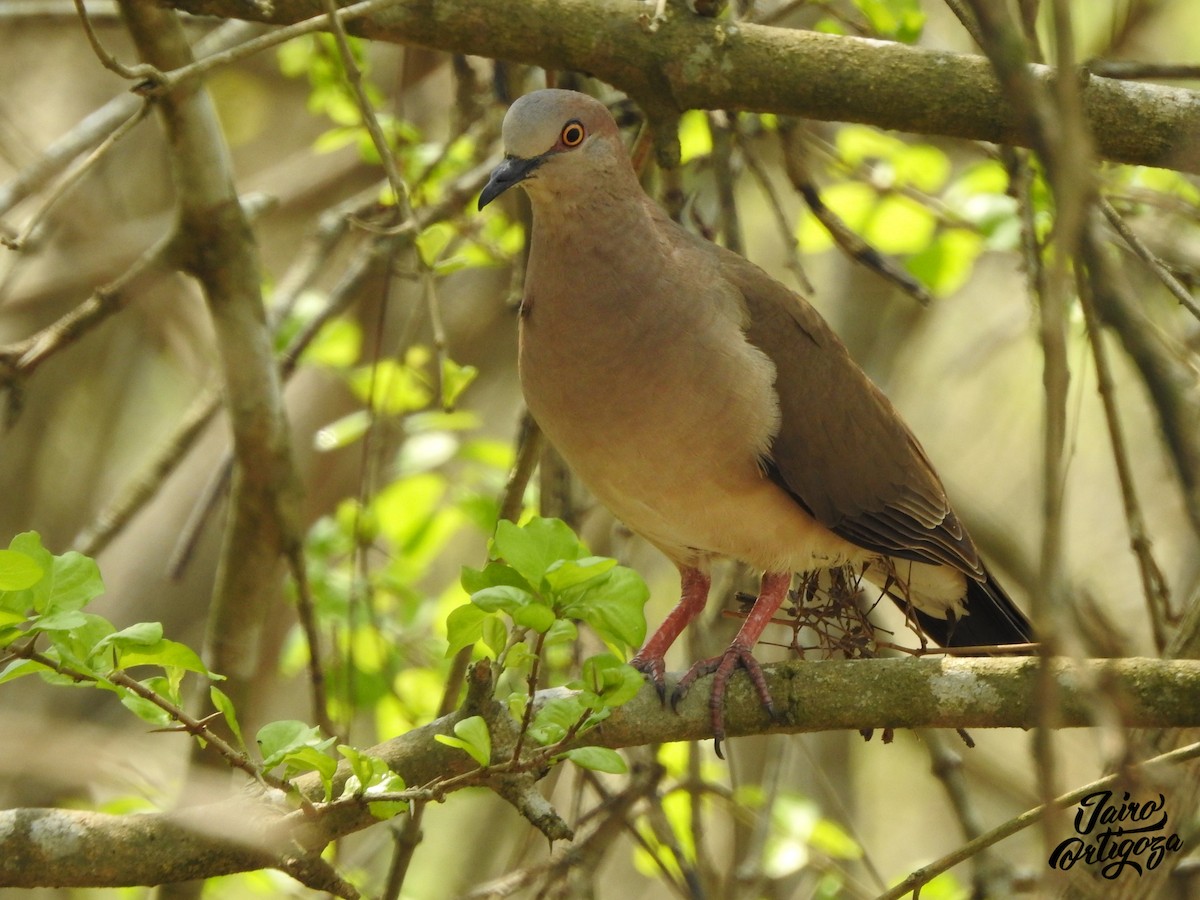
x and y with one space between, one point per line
558 138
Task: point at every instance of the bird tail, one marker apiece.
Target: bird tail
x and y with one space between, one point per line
992 618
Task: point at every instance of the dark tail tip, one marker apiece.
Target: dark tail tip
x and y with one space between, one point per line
992 618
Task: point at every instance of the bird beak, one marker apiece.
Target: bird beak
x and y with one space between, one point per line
512 171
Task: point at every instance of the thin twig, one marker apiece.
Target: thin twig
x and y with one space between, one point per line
341 297
992 878
196 727
850 243
306 611
721 128
1052 116
922 876
756 167
26 355
966 19
532 683
354 77
110 62
75 175
437 333
1133 69
529 446
167 80
95 126
1090 281
1144 253
332 226
193 527
117 514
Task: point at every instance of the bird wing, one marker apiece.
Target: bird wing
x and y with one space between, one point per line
842 450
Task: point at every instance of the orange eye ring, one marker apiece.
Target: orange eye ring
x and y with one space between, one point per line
573 134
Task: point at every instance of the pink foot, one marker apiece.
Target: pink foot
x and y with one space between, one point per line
771 594
655 670
722 668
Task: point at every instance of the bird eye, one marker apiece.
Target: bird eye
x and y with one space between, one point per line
573 134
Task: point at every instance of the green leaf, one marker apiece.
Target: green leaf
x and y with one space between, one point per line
830 26
277 739
166 653
861 144
533 547
144 709
393 387
9 630
945 886
75 645
343 432
569 572
311 759
367 769
337 345
562 632
502 598
29 543
474 731
471 735
900 20
224 706
67 620
536 616
525 608
20 667
141 635
464 626
695 137
852 201
433 241
551 721
598 759
68 582
613 605
831 839
18 571
923 166
76 582
455 379
946 264
608 680
900 225
492 575
386 809
519 658
495 634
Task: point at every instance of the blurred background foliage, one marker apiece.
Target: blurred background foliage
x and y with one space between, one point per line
406 413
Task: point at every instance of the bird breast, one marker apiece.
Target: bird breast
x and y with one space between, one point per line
655 399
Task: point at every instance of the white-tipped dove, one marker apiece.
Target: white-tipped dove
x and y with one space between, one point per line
713 410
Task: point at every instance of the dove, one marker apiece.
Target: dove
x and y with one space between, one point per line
713 411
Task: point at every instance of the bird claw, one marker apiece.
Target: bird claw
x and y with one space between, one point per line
722 668
655 670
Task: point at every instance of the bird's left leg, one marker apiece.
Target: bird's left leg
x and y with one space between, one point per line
693 594
772 591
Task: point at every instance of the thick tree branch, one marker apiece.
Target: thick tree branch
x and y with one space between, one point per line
218 249
66 847
693 62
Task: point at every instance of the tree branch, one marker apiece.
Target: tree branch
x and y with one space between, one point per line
68 847
691 62
217 248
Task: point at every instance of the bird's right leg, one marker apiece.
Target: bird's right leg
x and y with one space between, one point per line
694 586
